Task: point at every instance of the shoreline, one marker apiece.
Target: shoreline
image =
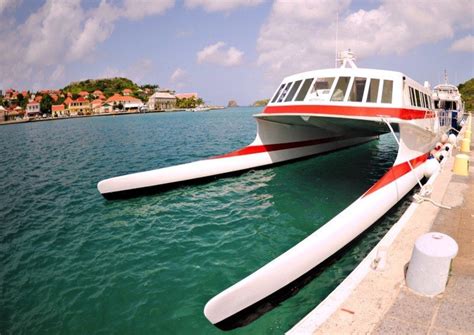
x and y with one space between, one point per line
4 123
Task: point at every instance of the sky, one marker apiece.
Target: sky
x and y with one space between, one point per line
228 49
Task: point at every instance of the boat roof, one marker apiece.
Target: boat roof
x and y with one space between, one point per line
357 72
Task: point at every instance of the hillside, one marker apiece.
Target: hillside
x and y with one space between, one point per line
467 91
260 103
109 86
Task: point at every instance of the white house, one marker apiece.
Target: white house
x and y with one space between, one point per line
33 109
162 101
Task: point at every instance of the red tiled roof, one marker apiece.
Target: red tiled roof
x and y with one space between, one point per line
80 99
68 100
83 93
33 104
57 108
120 98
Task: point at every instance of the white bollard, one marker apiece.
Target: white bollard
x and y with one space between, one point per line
428 269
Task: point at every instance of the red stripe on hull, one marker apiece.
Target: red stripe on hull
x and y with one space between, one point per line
255 149
396 172
401 113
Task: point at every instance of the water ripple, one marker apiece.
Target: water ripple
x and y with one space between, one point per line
72 262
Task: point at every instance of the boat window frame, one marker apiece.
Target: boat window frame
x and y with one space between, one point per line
352 83
284 92
417 96
412 96
313 94
305 94
368 91
277 93
294 88
383 91
344 92
426 100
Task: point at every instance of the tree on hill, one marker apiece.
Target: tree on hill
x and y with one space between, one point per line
108 85
260 103
45 104
188 102
467 92
22 100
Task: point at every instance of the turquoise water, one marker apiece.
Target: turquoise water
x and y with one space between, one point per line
74 263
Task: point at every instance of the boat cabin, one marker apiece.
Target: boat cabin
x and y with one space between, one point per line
353 86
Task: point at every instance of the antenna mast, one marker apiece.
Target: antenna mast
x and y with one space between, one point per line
337 33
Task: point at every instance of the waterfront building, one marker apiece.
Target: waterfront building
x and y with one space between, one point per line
118 99
16 113
106 108
33 109
96 106
80 106
58 110
2 114
161 101
68 100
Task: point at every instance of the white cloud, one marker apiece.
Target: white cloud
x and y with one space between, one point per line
221 5
50 31
178 75
219 55
58 73
137 9
465 44
300 35
8 4
61 32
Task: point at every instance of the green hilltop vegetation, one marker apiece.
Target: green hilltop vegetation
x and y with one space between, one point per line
108 86
260 103
467 91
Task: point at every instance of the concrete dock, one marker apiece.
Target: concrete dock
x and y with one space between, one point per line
379 302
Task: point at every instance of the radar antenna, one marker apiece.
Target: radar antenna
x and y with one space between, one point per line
346 58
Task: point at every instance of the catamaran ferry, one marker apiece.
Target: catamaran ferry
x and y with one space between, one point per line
312 113
447 100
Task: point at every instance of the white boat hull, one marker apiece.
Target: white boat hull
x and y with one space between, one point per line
274 143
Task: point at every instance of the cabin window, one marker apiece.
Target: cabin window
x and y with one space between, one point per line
278 93
436 103
321 88
412 96
341 88
387 91
357 90
285 91
417 96
373 90
293 90
304 89
426 101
